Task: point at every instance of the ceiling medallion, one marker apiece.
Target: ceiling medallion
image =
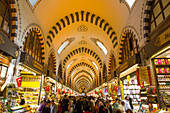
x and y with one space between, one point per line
82 42
82 28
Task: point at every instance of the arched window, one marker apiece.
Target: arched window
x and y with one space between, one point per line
33 47
130 46
5 17
51 64
159 11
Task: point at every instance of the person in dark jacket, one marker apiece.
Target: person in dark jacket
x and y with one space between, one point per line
130 102
22 100
43 104
79 107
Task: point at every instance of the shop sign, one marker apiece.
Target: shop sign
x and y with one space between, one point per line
143 75
37 65
19 81
163 38
124 66
30 61
4 60
156 44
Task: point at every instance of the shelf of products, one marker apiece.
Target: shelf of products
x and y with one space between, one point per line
132 90
162 70
30 95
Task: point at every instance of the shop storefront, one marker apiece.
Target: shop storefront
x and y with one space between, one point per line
128 84
30 82
9 53
159 58
113 88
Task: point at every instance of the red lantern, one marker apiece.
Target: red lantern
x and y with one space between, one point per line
100 91
19 81
47 88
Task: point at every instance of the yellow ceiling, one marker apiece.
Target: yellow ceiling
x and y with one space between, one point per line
49 12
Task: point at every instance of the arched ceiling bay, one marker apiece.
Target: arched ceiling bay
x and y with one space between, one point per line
82 25
48 12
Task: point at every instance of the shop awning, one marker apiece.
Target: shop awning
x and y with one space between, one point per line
7 45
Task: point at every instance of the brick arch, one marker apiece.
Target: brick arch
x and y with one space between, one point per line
14 15
82 16
128 29
83 80
40 36
54 59
83 50
83 77
146 19
82 71
82 64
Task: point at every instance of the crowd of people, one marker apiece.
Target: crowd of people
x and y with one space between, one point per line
85 104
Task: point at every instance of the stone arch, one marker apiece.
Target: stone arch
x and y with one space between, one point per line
14 15
82 64
54 59
40 36
83 50
82 16
111 57
146 19
128 29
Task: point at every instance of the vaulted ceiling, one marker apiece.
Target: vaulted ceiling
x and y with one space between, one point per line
84 24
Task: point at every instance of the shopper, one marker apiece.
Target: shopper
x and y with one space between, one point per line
122 106
130 102
71 104
79 106
60 107
46 109
127 104
65 104
53 107
43 104
22 100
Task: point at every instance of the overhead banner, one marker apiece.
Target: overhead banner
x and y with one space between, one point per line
143 75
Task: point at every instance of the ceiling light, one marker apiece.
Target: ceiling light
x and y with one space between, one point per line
63 46
95 65
70 64
130 2
32 2
102 47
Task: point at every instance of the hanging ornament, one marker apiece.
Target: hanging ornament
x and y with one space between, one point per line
105 90
47 88
128 79
58 91
115 88
100 91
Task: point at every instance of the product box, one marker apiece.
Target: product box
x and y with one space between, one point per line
166 61
156 61
163 61
159 61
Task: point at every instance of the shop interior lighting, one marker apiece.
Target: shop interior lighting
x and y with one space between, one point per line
70 64
95 65
128 71
63 46
32 2
165 49
130 2
102 47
